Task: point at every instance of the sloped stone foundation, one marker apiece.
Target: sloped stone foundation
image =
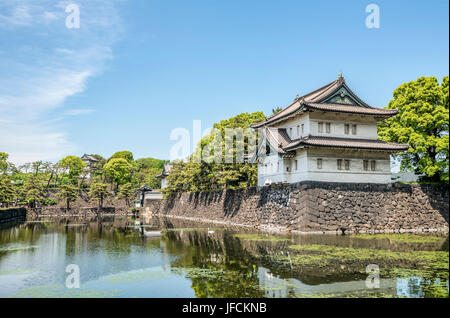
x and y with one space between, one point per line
316 207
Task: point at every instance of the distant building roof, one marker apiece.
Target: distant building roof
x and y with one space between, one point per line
145 188
86 157
165 172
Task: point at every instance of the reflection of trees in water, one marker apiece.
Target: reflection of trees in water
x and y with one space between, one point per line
81 234
444 246
279 259
235 273
428 286
230 264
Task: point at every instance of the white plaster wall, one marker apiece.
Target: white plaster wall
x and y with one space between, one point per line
293 123
307 167
271 169
366 126
164 183
363 130
356 174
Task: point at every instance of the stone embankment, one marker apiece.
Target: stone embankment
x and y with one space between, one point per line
316 207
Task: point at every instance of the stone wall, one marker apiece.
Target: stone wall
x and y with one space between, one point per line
316 207
79 211
8 215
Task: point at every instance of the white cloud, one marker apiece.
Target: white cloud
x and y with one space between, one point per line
76 112
51 64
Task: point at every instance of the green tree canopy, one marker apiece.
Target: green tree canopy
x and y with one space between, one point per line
203 175
98 192
149 163
68 194
422 122
7 190
127 155
119 170
3 161
146 170
127 192
32 191
75 167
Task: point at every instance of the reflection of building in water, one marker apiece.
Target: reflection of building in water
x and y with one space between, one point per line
275 287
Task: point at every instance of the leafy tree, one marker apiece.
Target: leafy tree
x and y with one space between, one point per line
33 190
36 166
422 122
75 166
7 191
68 193
203 175
127 155
149 163
146 170
119 170
98 192
126 191
3 162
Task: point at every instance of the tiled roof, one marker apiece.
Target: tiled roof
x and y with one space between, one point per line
335 142
352 109
90 158
319 97
166 170
278 138
162 175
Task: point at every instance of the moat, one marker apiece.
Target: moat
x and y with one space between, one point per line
116 259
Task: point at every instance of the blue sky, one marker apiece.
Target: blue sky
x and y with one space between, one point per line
137 69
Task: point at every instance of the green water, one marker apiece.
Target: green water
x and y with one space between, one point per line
115 259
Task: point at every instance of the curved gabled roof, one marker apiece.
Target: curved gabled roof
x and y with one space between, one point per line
335 142
320 100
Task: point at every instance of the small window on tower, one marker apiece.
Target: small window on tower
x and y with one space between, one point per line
290 133
339 164
366 165
303 129
298 131
321 127
373 165
347 129
328 127
353 129
347 164
296 164
319 163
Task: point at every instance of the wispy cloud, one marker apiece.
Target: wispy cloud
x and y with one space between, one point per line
48 65
76 112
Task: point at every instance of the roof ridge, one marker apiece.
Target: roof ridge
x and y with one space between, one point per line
353 95
303 97
323 87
